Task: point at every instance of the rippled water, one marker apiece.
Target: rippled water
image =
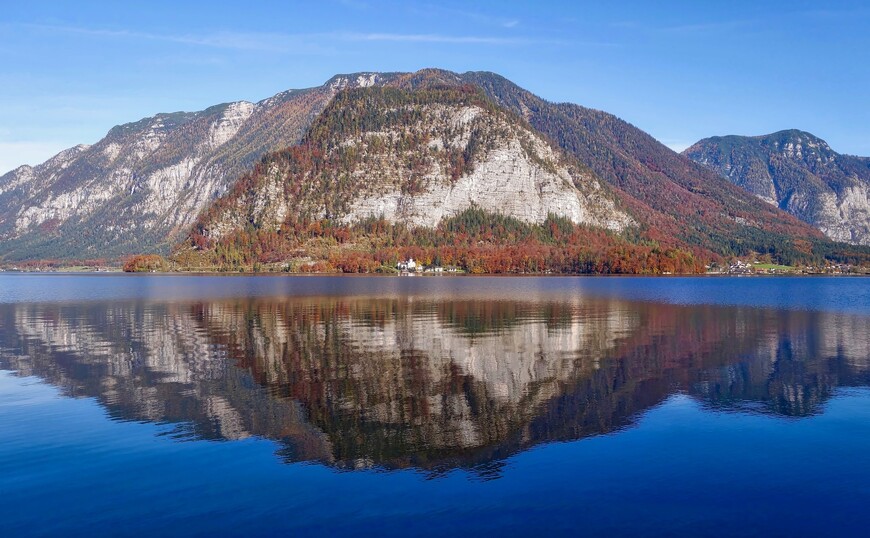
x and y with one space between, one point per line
428 406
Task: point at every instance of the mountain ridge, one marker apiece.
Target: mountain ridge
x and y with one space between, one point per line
799 173
411 162
145 182
170 172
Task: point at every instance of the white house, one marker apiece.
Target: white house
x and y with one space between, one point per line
410 265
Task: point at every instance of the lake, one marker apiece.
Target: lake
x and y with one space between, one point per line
429 406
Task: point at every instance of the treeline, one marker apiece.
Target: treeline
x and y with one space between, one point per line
474 241
54 264
788 250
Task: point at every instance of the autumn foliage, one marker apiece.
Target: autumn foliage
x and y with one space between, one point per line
145 263
474 241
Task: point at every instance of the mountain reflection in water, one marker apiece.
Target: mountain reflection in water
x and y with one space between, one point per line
431 384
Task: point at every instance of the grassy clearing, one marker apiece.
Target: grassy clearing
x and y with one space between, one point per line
769 266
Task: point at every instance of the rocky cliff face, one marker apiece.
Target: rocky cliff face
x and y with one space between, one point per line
415 157
145 182
799 173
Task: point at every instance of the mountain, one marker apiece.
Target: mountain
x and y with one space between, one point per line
799 173
440 174
142 187
145 183
678 201
415 157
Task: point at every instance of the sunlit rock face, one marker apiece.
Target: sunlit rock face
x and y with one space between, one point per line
145 182
799 173
527 183
432 384
142 186
416 158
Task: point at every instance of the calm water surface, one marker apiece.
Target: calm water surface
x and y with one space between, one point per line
178 405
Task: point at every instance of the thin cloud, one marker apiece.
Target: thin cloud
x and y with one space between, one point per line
224 40
284 43
437 38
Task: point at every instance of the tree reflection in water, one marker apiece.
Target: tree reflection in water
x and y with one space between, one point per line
433 384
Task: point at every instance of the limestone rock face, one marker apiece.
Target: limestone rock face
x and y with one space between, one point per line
799 173
402 165
506 182
145 182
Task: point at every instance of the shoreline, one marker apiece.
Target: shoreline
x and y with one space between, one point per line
119 272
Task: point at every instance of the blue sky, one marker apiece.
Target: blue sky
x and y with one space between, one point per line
681 70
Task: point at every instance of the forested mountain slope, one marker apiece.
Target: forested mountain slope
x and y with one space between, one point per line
421 163
144 183
142 187
675 197
799 173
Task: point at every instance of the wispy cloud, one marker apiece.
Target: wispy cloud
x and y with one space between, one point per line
225 40
437 38
285 43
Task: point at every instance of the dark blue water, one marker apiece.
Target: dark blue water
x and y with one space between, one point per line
175 405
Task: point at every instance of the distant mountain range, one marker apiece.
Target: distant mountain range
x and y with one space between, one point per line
799 173
414 148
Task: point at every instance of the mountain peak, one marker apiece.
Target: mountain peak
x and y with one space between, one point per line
798 172
362 79
414 157
794 141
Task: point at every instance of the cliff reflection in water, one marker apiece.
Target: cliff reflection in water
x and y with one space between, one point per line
427 383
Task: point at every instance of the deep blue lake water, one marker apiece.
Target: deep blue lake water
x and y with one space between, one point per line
394 406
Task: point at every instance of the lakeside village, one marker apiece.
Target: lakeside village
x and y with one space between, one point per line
755 267
411 267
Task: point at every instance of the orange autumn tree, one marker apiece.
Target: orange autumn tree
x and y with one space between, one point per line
145 263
